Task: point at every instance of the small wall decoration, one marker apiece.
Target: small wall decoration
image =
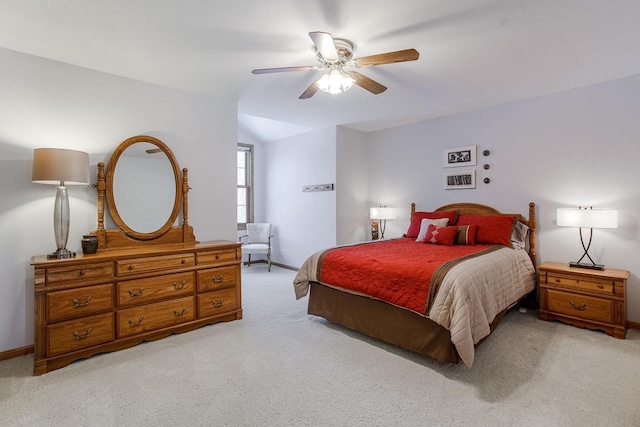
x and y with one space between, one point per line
460 180
459 156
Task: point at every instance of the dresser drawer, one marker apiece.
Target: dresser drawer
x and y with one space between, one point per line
215 257
79 333
216 278
604 286
78 302
84 272
159 315
139 291
582 306
217 302
144 265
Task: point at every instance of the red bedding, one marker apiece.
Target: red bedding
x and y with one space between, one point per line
404 266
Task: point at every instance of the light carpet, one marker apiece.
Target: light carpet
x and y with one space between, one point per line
281 367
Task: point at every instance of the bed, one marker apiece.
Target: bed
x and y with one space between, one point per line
428 293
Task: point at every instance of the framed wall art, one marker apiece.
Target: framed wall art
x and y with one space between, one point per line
459 180
459 156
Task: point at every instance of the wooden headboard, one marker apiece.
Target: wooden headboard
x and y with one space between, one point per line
478 209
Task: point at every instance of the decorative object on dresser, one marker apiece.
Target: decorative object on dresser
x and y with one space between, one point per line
60 167
382 213
593 299
141 284
587 218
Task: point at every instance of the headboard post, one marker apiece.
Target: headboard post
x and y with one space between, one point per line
413 208
532 233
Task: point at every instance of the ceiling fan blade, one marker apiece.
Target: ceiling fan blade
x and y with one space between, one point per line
387 58
324 44
283 69
366 83
310 91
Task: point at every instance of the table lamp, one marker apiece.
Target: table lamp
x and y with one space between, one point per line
383 214
60 167
590 218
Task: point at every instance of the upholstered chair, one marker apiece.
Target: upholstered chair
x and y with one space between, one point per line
257 241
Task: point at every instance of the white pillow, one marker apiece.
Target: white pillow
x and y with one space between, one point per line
424 224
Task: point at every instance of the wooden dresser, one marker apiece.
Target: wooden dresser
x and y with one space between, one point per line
118 298
593 299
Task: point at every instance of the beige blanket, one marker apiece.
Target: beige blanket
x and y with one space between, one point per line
470 296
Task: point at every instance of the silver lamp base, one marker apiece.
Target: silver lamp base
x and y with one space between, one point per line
61 254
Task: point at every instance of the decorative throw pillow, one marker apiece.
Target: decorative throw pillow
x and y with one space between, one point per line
417 217
492 229
466 235
520 236
424 225
441 235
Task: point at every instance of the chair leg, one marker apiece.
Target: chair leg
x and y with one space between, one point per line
269 260
249 262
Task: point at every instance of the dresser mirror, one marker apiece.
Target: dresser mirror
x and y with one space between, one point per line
145 191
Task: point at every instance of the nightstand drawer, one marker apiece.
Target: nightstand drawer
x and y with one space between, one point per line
604 286
582 306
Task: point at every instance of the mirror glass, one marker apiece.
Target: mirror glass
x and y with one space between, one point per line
144 187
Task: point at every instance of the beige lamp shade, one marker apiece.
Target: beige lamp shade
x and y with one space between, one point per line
58 165
382 213
587 218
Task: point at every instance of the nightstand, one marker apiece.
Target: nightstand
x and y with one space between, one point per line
593 299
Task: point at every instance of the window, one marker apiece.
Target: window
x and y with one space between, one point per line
245 185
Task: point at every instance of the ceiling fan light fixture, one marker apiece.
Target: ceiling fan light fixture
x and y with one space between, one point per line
335 82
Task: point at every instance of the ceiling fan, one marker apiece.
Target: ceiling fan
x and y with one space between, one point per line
336 55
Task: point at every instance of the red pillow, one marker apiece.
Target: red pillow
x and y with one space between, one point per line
492 229
466 235
417 217
441 235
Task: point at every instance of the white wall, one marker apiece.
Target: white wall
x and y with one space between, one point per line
49 104
578 147
351 186
302 222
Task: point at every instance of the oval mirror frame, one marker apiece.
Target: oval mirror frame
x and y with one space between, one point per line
111 205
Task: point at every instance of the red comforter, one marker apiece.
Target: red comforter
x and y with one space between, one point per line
397 271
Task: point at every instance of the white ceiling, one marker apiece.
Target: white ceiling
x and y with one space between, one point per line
473 53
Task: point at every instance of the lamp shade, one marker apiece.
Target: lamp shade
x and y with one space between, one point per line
382 213
58 165
587 218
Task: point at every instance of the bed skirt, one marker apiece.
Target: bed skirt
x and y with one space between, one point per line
385 322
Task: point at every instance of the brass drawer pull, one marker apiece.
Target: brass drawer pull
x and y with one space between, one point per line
77 336
218 303
138 323
183 261
184 310
177 288
600 286
557 280
77 303
573 305
81 272
134 293
131 267
218 280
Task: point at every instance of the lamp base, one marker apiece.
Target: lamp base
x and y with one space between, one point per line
61 254
585 265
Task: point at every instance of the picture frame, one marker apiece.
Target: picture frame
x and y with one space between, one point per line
459 180
459 156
